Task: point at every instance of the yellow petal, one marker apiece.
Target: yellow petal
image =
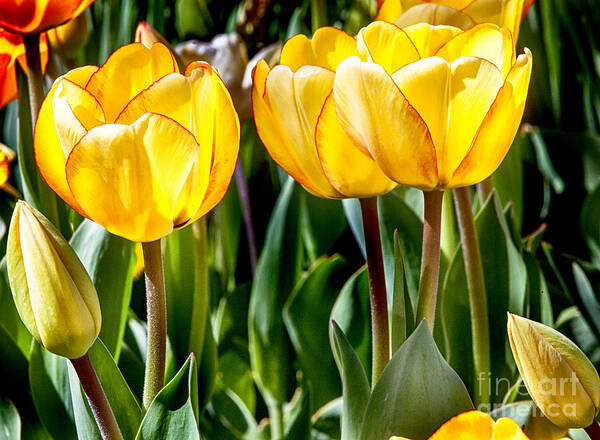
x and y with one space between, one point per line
349 170
390 11
387 45
507 429
286 118
225 139
453 100
379 119
328 47
128 71
428 38
485 41
504 13
499 127
50 150
472 425
435 15
128 178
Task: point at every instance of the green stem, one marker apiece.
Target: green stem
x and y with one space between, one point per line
201 288
593 431
105 418
318 14
430 259
379 309
35 86
156 303
477 295
276 419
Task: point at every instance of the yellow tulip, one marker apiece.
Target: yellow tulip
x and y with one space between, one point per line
475 425
53 293
560 379
68 39
435 107
460 13
295 118
136 146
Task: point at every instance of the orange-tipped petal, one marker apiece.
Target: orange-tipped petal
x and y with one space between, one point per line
328 47
127 72
349 170
128 178
35 16
499 127
379 119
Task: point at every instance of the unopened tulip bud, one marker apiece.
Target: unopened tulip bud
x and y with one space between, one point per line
67 40
559 377
147 35
53 293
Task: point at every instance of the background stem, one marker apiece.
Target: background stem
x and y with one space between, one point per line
430 260
477 295
157 320
105 418
276 419
318 14
244 194
379 309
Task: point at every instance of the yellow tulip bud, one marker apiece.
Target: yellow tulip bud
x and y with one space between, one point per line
540 428
559 377
52 291
71 37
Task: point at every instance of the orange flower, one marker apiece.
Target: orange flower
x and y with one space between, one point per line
35 16
12 50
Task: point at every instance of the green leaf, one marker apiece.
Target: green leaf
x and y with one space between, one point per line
355 384
13 367
124 404
591 306
352 313
308 326
10 422
520 412
236 375
229 418
297 421
508 180
84 422
354 218
173 414
417 392
402 318
51 392
326 421
276 275
110 261
192 17
590 225
323 221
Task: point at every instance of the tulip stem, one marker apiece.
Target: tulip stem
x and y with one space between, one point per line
477 295
593 431
379 308
430 259
103 413
35 86
276 421
156 303
244 194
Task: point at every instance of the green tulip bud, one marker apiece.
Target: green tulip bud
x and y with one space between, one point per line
53 293
559 377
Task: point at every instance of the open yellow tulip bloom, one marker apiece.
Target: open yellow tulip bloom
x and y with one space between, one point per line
435 107
136 146
296 119
475 425
460 13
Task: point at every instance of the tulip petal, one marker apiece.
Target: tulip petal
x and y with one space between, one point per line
128 178
50 151
507 429
387 45
435 15
428 38
328 47
380 120
453 100
349 170
389 11
36 16
506 13
126 73
286 108
472 425
485 41
499 127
